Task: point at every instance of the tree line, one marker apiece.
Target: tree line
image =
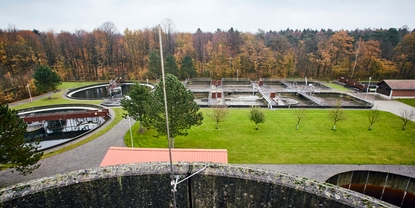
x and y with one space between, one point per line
105 53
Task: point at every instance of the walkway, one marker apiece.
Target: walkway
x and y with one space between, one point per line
91 154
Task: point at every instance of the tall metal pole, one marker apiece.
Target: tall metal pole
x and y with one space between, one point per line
167 113
131 134
367 89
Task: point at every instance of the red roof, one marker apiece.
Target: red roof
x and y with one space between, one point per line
403 84
125 155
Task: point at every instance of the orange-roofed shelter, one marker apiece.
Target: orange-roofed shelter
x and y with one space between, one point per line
126 155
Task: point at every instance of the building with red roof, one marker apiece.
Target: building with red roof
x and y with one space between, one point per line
126 155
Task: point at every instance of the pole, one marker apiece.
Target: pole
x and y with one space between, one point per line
367 88
131 134
167 113
376 93
30 94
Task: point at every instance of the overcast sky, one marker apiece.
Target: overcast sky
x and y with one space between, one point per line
208 15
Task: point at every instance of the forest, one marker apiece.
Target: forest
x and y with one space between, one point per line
105 53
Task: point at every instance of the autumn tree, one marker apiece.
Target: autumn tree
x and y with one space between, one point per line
14 150
337 114
136 103
219 114
46 79
257 116
405 56
373 116
183 111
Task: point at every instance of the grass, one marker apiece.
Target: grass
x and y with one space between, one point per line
58 98
277 141
410 102
338 87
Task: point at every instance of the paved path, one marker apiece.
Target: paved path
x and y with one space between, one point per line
91 154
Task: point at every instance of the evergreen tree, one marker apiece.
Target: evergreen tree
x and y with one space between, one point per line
170 66
154 64
135 103
187 69
13 148
183 111
46 79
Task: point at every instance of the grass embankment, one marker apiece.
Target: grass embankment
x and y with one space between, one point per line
338 87
277 141
58 98
410 102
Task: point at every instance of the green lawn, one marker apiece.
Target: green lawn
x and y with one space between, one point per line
58 98
338 87
277 141
410 102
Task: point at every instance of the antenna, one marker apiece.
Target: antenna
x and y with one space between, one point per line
167 113
175 178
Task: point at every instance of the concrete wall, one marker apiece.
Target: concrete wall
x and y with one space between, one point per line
148 185
401 189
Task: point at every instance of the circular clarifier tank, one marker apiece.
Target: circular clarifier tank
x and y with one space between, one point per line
100 91
58 124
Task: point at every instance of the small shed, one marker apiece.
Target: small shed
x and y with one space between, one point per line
394 88
126 155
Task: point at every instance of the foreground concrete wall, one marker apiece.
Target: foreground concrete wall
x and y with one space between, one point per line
148 185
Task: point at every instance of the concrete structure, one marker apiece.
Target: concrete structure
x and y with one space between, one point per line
396 88
149 185
393 188
124 155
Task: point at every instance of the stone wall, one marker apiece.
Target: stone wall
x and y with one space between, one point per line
148 185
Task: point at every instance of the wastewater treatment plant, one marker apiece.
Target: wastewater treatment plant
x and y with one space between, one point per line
219 185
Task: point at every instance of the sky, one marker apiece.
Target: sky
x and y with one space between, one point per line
208 15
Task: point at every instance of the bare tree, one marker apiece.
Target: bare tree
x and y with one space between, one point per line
300 115
406 115
374 116
337 114
219 114
169 30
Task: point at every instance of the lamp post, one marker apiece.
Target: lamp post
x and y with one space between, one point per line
376 92
131 134
367 89
30 95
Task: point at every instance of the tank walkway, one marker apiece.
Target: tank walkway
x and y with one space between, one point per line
66 115
271 102
316 100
